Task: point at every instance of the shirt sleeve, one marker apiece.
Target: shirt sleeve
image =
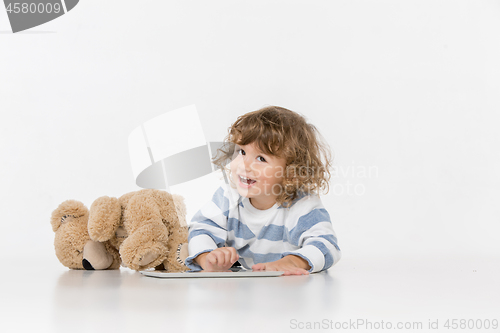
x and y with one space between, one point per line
313 234
208 227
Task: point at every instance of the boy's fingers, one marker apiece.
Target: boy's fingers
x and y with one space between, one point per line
228 256
296 272
258 267
234 255
220 257
211 258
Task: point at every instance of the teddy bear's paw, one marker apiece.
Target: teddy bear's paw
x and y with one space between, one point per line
147 258
176 259
95 256
144 256
152 253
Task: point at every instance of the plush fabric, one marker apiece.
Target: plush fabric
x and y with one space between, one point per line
139 230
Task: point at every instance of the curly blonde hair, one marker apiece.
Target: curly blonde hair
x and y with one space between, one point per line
284 134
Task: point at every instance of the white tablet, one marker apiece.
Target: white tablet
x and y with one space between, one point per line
203 274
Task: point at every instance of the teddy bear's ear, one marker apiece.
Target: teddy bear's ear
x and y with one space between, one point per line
180 208
69 209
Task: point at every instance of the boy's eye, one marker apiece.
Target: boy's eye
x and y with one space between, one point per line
242 152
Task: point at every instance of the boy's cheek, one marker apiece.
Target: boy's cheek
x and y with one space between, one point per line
233 166
267 172
257 173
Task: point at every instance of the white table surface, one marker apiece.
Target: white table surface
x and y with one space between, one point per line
43 296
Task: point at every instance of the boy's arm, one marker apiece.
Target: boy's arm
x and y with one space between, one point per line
290 264
208 228
220 259
204 237
314 235
310 229
200 259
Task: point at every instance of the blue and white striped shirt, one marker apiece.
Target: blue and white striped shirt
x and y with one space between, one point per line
304 229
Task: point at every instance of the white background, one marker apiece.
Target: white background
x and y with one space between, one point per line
408 88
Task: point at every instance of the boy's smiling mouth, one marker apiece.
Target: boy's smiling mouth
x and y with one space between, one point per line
246 181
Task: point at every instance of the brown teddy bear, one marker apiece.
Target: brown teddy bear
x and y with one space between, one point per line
140 230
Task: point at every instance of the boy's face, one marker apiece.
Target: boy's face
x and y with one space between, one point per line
265 173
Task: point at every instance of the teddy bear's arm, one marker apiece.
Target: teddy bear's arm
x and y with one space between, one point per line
104 218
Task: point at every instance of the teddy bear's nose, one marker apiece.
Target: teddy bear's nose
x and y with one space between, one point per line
87 265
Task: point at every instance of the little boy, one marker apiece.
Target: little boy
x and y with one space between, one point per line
269 215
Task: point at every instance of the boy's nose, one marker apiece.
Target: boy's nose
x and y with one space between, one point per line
246 164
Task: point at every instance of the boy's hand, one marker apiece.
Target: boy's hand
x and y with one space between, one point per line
291 265
219 260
